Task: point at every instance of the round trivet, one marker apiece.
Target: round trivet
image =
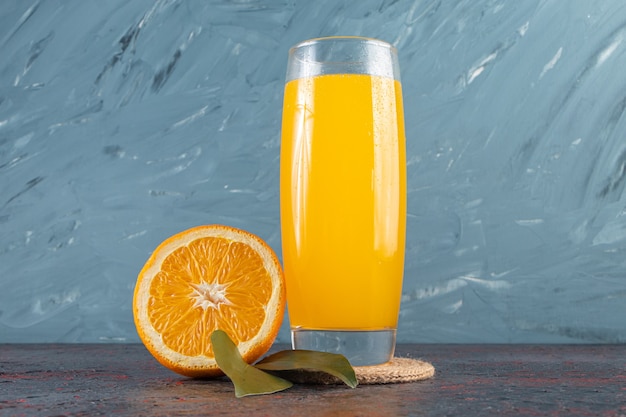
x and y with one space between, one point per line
398 370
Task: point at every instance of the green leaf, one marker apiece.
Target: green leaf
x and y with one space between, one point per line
247 379
330 363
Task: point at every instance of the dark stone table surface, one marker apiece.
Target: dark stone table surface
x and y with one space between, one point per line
470 380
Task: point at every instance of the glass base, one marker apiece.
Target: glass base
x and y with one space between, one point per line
362 348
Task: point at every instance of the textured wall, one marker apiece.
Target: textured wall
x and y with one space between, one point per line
122 123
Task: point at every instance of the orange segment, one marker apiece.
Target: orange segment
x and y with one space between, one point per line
203 279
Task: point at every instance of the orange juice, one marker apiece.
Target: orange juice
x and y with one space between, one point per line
343 201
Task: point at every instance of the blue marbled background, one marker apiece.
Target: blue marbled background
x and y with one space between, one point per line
122 123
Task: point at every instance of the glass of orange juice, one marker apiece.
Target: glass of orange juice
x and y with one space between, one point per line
343 196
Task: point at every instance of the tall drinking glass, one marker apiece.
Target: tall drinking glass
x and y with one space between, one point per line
343 196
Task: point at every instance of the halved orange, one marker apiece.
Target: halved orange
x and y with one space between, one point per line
203 279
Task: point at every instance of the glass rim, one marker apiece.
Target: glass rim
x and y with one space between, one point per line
364 39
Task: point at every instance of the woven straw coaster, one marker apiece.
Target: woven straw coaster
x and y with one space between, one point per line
398 370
